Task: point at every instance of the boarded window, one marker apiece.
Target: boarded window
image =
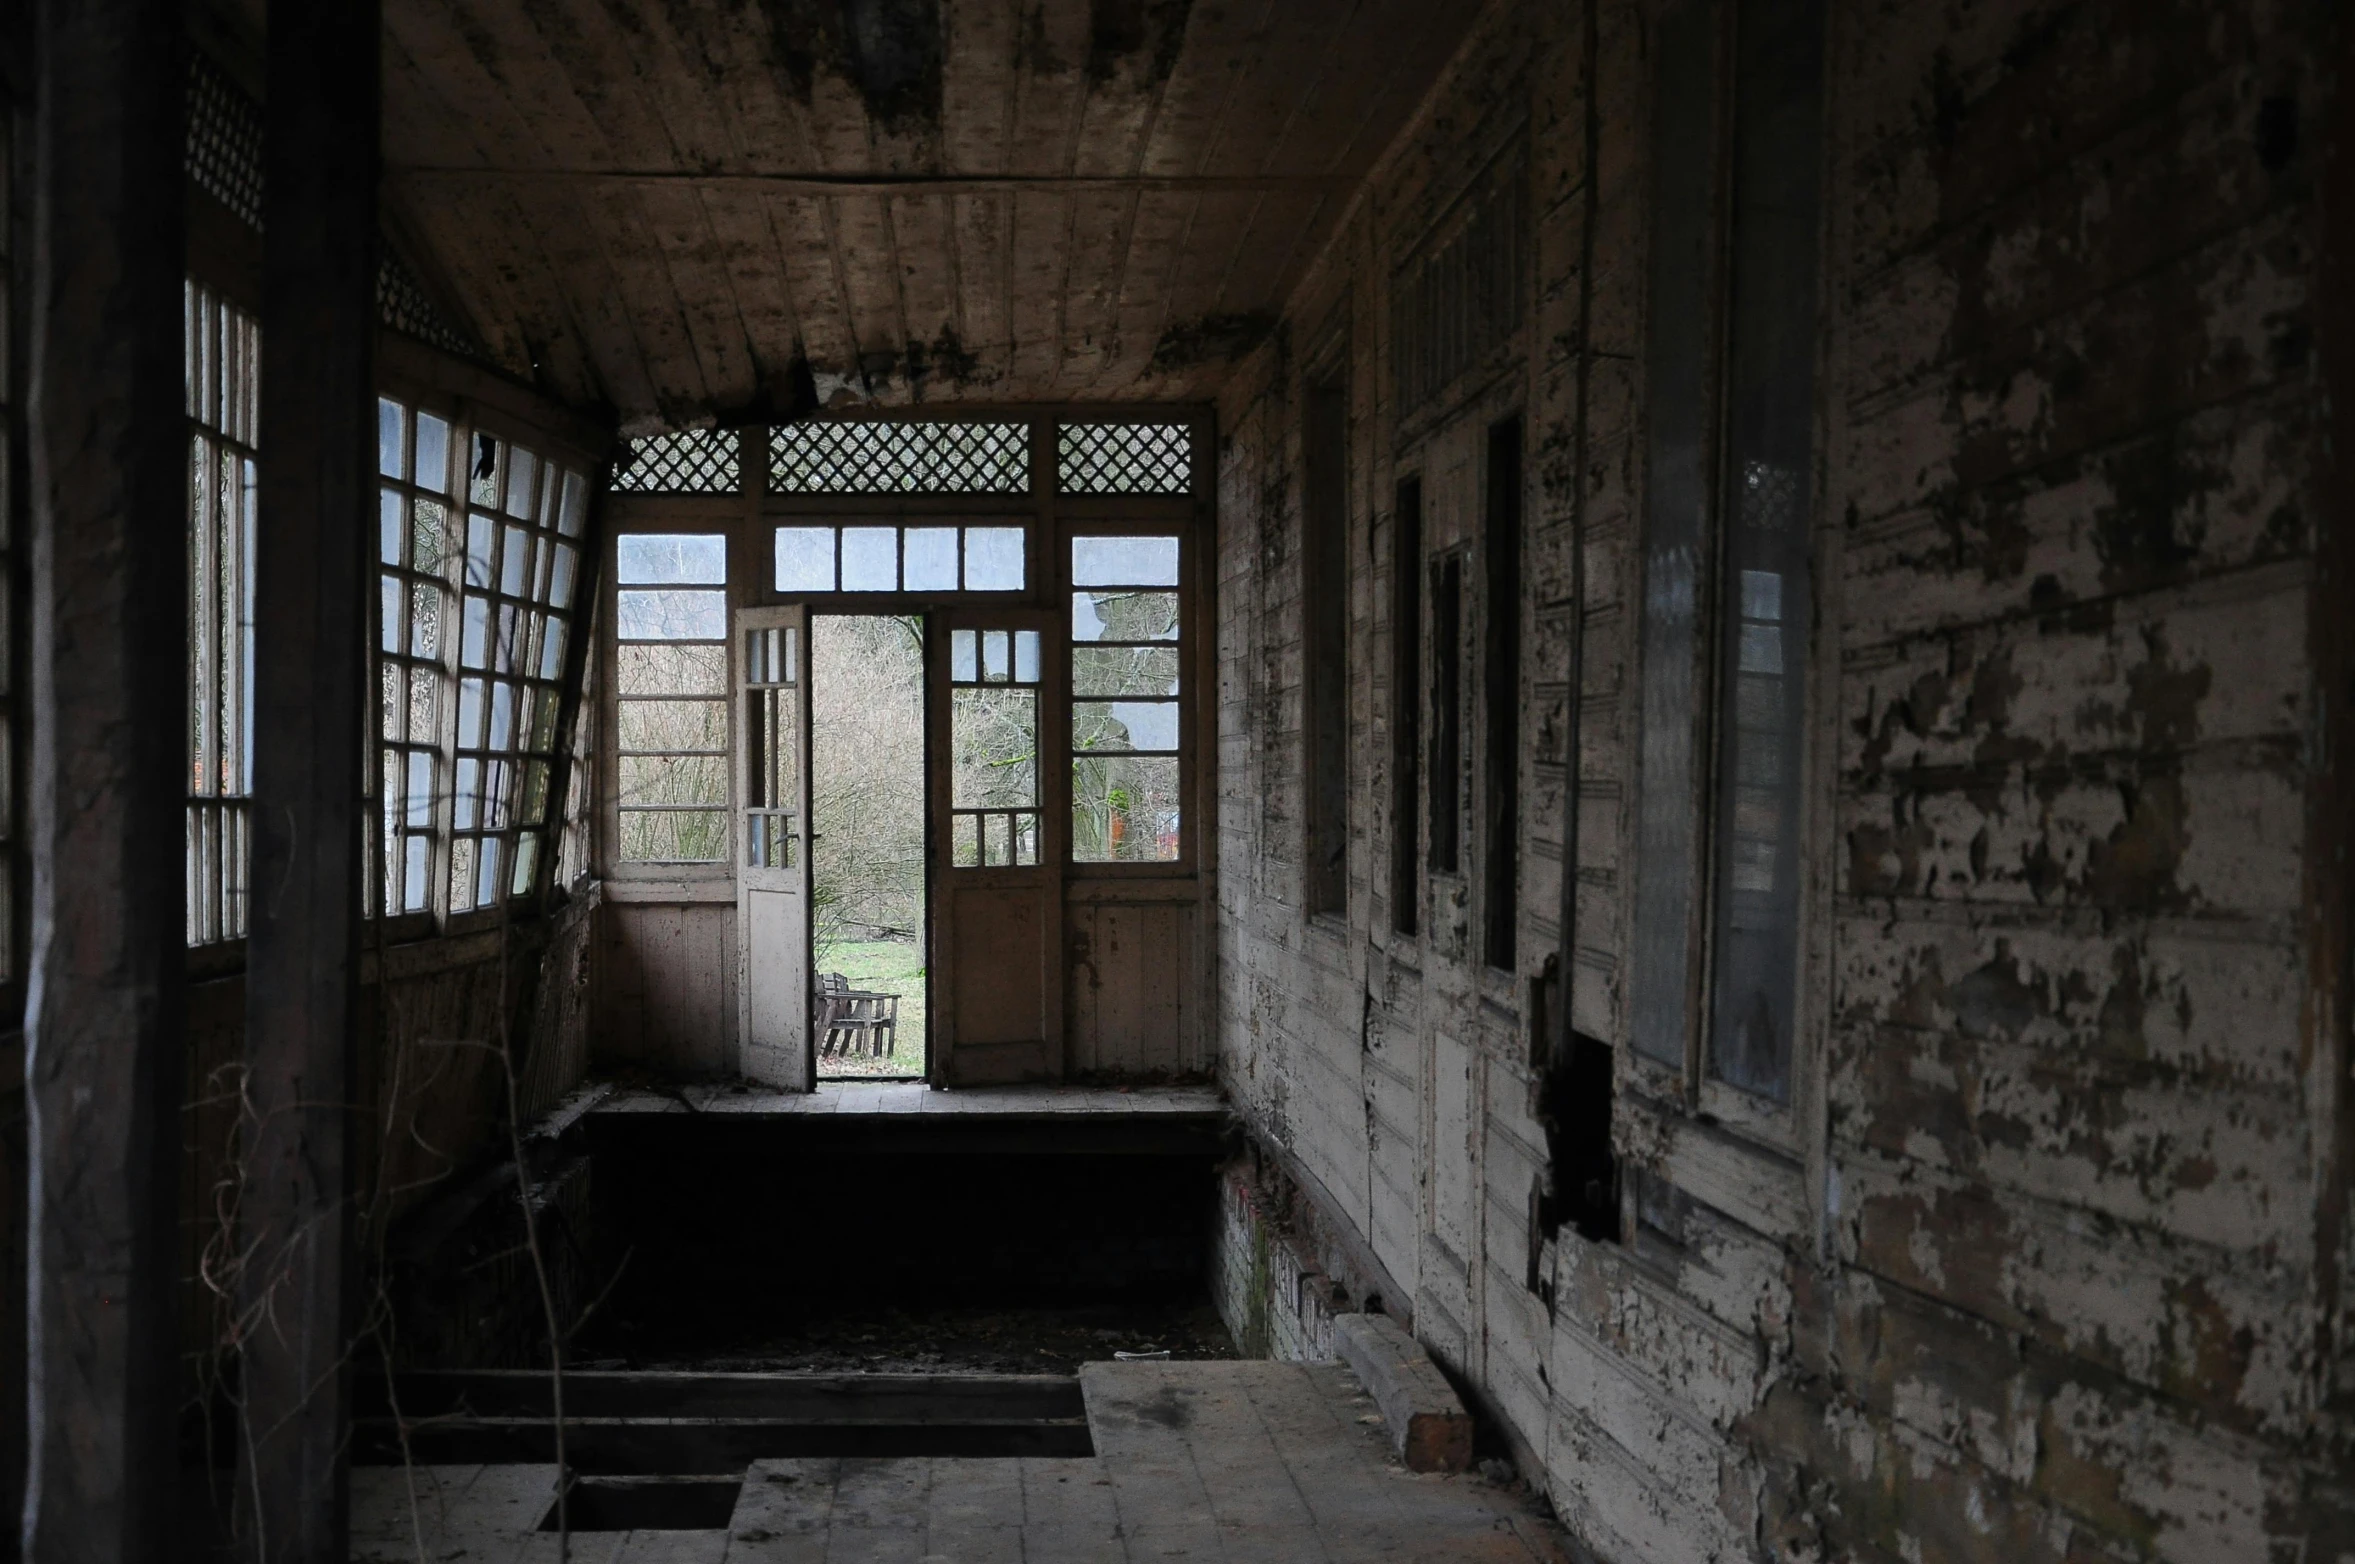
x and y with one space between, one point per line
671 696
1406 706
222 359
1324 603
1501 677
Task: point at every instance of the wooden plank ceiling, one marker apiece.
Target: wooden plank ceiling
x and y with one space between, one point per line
682 209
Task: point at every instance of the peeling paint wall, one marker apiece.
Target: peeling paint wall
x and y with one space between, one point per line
2049 1262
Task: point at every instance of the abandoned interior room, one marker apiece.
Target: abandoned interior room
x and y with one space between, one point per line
1047 781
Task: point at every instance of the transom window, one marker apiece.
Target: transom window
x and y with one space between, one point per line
946 557
671 696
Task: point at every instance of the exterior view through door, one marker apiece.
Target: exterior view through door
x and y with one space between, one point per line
902 731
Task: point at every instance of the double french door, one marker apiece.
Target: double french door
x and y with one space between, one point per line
997 811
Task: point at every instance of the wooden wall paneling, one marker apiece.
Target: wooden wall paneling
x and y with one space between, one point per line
668 985
1128 974
690 254
978 47
1099 255
646 293
868 277
984 277
302 950
926 259
1041 257
805 233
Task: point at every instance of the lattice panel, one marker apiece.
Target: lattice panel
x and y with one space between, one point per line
224 140
1125 459
888 458
403 304
692 461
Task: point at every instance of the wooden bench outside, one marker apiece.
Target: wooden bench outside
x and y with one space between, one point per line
853 1020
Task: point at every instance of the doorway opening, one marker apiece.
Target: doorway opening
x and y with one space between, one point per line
869 940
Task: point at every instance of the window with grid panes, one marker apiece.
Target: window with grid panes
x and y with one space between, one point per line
222 364
418 554
524 517
1126 656
671 697
573 848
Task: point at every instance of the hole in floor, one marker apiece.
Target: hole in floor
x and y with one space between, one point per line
648 1504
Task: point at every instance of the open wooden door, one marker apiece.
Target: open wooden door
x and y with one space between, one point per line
999 820
773 875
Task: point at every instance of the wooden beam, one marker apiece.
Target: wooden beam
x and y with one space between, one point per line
876 184
107 782
317 480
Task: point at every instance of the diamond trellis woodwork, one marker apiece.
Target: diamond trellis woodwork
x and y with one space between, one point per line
1125 459
692 461
899 458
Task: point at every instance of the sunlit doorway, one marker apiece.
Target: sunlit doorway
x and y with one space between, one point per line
868 934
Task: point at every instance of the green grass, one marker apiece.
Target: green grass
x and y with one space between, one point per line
887 967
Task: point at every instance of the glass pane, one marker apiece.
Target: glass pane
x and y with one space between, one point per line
418 793
1124 562
997 840
527 862
483 474
413 866
466 796
671 725
486 881
1124 725
870 559
674 779
671 616
930 559
671 559
429 536
552 650
993 739
673 836
425 621
523 470
425 690
391 700
964 656
997 659
1026 656
1124 809
671 670
470 713
993 559
462 874
560 581
473 651
1124 670
576 505
1124 616
433 453
481 533
390 533
392 453
805 559
502 716
388 614
967 844
515 563
1026 839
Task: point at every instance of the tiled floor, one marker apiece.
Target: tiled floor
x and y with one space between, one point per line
1198 1463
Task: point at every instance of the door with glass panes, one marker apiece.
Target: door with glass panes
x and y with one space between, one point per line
773 890
998 848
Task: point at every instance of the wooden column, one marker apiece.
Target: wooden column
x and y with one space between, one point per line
316 508
107 680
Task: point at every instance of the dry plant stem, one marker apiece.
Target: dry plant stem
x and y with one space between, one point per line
531 1240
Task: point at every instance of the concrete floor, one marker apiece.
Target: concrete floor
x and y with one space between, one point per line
1207 1463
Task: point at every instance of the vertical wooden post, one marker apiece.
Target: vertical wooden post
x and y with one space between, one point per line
107 678
314 508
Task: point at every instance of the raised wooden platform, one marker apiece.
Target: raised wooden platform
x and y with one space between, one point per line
1239 1463
890 1115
